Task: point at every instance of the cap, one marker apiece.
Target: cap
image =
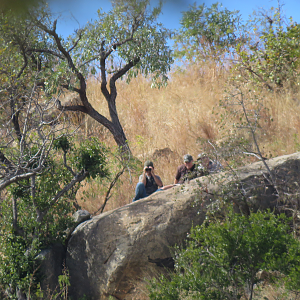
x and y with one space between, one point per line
187 158
202 155
148 163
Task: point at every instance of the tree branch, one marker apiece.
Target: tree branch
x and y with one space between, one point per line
16 227
71 64
70 107
5 162
42 154
77 178
25 63
103 73
15 120
76 42
15 178
273 181
45 51
124 70
66 165
107 196
259 76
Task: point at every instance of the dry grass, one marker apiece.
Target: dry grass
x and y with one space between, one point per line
274 292
176 118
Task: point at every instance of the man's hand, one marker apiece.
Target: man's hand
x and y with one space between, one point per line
152 171
147 168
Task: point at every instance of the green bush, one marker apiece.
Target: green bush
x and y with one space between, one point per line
222 258
271 54
37 212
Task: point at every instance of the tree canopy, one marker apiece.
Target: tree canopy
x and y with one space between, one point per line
121 43
207 33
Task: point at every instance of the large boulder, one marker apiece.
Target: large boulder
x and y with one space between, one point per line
107 254
112 252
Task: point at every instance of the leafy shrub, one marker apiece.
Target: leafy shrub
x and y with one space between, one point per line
271 55
90 156
37 212
222 258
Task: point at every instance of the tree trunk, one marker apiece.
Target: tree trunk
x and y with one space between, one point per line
120 138
115 129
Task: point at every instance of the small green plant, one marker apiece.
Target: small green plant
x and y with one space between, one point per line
64 283
91 157
223 257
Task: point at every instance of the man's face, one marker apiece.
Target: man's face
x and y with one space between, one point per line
148 170
189 164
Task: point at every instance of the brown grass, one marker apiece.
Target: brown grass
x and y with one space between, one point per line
179 118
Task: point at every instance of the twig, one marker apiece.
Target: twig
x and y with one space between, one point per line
107 197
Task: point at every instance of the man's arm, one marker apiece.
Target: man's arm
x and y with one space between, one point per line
156 178
158 181
177 176
143 177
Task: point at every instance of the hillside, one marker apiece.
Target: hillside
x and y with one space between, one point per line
183 117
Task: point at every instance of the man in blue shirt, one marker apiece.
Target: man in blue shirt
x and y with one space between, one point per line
148 182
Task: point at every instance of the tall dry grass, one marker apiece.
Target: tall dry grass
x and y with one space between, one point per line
164 124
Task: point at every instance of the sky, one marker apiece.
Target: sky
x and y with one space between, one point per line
76 13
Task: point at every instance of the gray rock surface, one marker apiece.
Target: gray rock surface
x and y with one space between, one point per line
81 215
108 255
51 260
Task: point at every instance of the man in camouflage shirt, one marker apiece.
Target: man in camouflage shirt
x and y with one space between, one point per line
187 171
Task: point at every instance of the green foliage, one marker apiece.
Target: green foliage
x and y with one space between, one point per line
62 143
19 263
64 283
42 213
222 258
265 50
18 7
127 34
90 156
207 32
131 30
17 36
271 55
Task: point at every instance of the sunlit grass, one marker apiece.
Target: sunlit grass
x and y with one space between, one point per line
178 117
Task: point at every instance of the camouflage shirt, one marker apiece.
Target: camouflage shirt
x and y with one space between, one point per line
183 174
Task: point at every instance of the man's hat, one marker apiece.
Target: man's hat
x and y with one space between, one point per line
148 163
187 158
202 155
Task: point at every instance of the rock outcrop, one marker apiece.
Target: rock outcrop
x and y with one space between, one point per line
109 254
52 259
80 216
